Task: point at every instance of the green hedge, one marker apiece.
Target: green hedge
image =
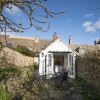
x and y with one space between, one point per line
88 67
24 50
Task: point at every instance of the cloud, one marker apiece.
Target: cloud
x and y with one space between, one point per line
89 26
13 11
87 23
3 33
90 29
89 15
97 24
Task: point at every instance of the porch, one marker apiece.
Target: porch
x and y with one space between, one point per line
56 57
57 61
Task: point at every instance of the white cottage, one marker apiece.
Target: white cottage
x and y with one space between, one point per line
56 57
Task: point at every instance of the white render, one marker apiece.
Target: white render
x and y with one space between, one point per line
49 64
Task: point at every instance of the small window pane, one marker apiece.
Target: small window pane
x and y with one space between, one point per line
49 59
71 64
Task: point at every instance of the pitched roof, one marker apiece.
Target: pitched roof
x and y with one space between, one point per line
58 46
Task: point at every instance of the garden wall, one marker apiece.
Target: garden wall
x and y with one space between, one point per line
15 58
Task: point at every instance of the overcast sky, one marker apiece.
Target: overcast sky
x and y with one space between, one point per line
79 21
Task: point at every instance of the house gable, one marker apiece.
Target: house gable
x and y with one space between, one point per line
57 46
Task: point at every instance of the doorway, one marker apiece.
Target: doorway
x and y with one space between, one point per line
58 62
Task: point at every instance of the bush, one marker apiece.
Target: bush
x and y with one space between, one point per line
3 94
87 90
88 67
6 72
24 50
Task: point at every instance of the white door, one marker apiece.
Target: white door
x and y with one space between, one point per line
71 65
49 64
41 64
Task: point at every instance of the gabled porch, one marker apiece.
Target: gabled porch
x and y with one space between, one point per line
56 57
57 61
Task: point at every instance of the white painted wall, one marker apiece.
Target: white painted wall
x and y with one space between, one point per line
56 46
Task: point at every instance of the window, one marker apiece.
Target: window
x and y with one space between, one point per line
70 60
71 64
49 59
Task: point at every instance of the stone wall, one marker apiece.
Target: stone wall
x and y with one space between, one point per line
16 58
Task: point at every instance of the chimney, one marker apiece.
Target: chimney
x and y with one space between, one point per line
55 36
36 39
97 42
69 40
36 44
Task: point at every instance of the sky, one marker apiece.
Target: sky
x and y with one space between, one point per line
81 20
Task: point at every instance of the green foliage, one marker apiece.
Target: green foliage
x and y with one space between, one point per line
88 67
3 94
24 50
1 46
6 72
0 43
88 91
35 66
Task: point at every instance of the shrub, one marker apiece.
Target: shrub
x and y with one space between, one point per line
88 67
3 94
6 72
24 50
87 90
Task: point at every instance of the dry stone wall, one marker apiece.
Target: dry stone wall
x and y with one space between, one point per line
16 58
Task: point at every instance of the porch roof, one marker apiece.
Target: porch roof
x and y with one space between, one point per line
58 46
59 51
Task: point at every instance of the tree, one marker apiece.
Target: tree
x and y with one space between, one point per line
28 7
